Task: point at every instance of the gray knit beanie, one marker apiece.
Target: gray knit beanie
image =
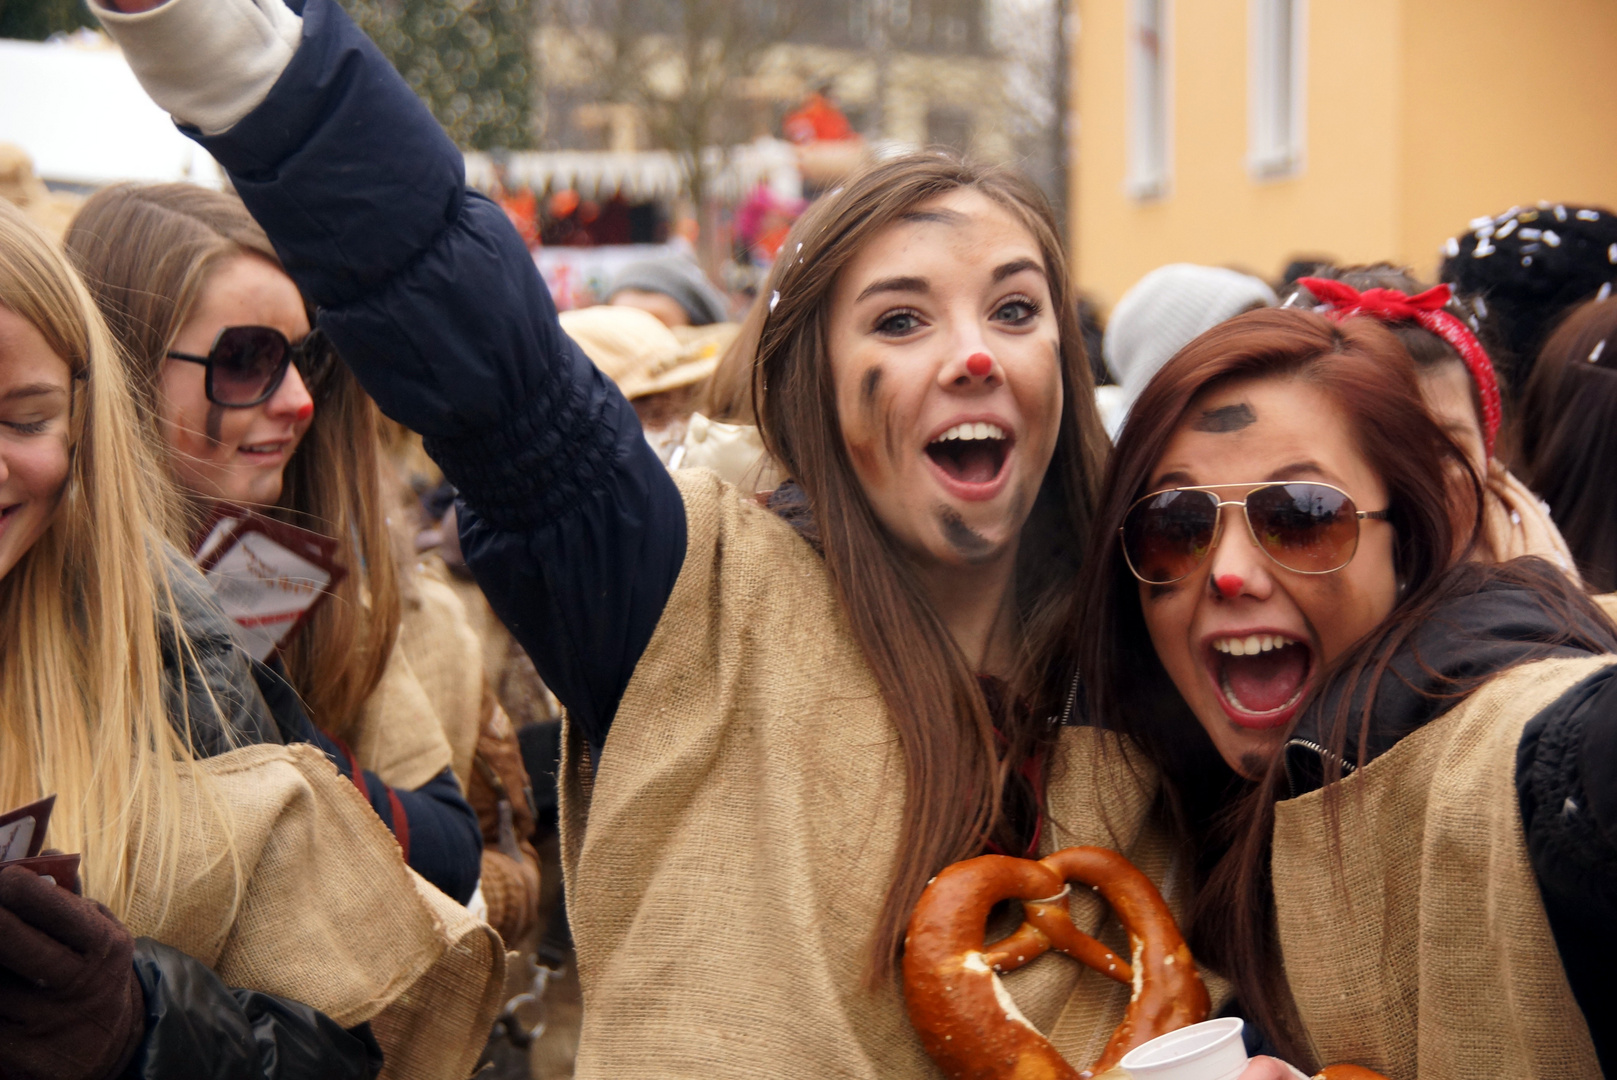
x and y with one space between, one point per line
1164 312
678 278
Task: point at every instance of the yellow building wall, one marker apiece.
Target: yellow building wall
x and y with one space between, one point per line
1506 102
1419 115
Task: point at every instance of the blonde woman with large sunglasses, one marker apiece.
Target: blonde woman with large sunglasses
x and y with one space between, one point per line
214 932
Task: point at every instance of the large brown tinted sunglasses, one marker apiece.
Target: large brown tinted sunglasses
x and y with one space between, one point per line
1305 526
247 364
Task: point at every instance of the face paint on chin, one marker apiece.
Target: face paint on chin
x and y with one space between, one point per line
961 536
1225 419
1254 763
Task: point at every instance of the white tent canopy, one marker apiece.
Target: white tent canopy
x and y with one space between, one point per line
75 108
644 174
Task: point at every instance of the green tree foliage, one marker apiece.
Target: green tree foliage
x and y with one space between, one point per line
36 20
468 59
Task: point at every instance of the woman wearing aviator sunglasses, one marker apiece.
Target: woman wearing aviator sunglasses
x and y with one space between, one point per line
1393 764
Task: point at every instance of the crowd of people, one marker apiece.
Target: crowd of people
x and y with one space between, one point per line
1302 609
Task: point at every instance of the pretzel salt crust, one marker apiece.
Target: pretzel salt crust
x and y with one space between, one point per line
969 1024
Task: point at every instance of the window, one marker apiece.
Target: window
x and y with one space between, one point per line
1148 98
1275 87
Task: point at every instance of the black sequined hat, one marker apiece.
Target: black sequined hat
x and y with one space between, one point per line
1524 269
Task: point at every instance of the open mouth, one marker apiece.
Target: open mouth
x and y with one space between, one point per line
971 453
1260 677
263 448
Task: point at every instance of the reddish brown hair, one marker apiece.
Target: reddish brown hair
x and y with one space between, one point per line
1222 821
956 776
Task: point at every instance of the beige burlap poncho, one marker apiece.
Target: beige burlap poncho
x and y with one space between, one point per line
1424 952
726 862
329 915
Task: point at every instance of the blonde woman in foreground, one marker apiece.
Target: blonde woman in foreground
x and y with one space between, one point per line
245 914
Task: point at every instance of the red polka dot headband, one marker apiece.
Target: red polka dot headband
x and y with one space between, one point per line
1427 311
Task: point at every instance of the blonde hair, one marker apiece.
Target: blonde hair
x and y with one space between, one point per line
82 705
147 253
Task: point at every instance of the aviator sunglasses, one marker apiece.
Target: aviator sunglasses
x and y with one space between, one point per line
1307 527
247 364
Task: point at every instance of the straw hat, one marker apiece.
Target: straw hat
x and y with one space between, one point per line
636 350
24 190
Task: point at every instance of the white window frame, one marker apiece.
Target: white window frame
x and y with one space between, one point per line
1150 101
1277 87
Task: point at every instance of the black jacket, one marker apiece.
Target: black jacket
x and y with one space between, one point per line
1566 766
210 693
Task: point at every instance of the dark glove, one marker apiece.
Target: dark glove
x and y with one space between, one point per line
71 1007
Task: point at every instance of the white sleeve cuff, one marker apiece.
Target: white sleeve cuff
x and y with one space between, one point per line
207 62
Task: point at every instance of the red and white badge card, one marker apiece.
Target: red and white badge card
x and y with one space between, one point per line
267 575
22 837
22 831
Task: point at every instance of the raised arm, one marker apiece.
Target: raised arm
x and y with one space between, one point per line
570 523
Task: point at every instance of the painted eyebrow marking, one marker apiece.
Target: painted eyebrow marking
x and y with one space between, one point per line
895 284
1226 419
1016 266
941 217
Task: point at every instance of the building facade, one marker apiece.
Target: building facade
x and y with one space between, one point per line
1247 132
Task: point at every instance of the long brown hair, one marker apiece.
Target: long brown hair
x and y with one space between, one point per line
1224 824
956 776
1568 438
147 253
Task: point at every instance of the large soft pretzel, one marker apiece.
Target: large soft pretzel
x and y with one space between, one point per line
967 1021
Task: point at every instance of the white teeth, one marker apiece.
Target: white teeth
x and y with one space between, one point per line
978 430
1252 644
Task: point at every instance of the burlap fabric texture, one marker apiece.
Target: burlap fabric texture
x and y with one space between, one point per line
726 862
425 714
1424 953
329 915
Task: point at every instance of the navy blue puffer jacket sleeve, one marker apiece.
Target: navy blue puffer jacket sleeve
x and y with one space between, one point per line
570 523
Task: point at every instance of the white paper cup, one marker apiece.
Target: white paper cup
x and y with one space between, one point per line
1211 1050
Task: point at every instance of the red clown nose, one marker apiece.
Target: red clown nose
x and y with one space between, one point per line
1229 585
979 364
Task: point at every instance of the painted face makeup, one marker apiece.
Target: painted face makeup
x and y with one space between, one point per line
1243 637
946 361
238 455
36 397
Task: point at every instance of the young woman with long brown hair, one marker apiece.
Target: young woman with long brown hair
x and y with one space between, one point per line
242 915
779 729
1389 765
252 409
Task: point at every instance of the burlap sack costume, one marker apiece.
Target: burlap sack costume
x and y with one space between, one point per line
425 714
330 915
1428 954
726 862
